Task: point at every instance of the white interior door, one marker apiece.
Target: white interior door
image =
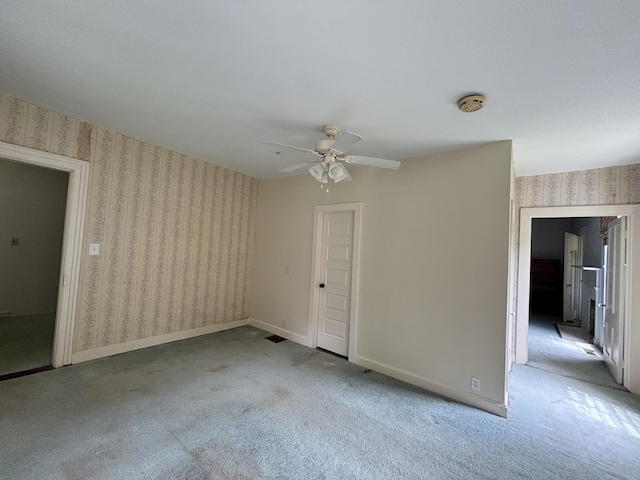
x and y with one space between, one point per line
614 299
570 281
335 282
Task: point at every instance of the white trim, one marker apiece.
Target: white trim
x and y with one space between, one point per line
118 348
72 239
631 326
314 295
294 337
461 396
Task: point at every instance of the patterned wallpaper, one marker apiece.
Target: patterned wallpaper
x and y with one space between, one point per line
603 186
176 234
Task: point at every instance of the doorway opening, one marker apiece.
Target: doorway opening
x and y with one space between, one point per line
582 283
32 213
567 306
66 278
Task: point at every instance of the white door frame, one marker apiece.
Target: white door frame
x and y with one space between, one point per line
632 310
570 274
580 313
71 241
314 294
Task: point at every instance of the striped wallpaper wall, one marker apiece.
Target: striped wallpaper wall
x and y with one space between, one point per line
603 186
176 234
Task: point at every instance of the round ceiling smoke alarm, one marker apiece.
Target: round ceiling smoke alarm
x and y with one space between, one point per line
471 103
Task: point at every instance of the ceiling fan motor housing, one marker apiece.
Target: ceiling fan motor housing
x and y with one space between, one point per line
331 131
324 146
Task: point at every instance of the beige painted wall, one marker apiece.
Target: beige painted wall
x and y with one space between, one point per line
32 208
176 233
434 263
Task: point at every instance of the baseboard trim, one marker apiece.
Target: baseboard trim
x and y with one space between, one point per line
118 348
294 337
461 396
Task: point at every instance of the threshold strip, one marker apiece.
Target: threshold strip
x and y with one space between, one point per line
23 373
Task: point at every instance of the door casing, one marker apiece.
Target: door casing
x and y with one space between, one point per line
314 295
71 241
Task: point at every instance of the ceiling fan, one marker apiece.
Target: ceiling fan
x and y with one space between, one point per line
330 156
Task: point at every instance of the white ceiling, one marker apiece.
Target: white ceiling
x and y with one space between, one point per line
213 79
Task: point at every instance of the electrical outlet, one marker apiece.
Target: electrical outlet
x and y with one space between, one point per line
475 384
284 324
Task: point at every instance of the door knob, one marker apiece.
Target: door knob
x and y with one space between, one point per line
601 305
321 285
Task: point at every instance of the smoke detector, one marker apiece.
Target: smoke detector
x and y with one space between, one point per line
471 103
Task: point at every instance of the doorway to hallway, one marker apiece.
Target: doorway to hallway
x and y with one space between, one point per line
567 291
629 360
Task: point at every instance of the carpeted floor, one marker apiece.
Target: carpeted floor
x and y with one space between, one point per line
26 342
235 405
549 352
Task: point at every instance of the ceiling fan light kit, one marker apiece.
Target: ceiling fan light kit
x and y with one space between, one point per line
337 172
330 157
317 171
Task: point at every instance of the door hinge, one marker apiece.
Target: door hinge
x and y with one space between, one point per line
65 280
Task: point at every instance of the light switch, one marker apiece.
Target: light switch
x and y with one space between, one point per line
94 249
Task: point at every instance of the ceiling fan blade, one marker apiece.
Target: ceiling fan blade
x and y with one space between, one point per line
296 166
306 150
345 142
375 162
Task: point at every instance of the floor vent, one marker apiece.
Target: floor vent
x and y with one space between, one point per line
276 338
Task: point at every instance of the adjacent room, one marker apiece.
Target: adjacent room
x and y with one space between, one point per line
569 264
319 240
33 209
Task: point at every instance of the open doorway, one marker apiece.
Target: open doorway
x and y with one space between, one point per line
567 306
68 276
32 215
629 288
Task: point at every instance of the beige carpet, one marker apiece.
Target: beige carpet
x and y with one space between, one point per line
233 405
